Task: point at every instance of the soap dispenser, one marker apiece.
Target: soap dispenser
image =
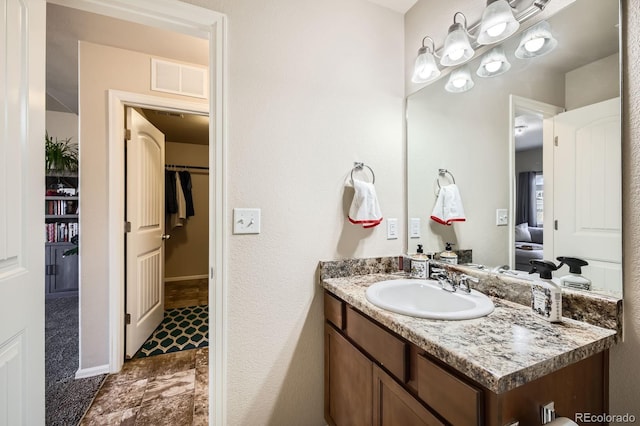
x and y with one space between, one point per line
575 278
546 293
420 264
448 255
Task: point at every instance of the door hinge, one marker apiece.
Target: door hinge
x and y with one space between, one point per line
555 224
127 227
127 134
127 319
555 140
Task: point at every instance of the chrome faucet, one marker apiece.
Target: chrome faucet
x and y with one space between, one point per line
463 282
451 282
445 279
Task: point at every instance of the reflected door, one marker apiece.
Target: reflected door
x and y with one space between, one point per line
587 188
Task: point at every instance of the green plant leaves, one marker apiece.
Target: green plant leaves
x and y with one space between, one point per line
60 155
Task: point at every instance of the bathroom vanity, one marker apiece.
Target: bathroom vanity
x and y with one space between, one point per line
387 368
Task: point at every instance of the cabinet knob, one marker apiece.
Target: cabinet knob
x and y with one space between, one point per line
166 236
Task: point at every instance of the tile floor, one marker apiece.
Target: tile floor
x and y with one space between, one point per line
169 389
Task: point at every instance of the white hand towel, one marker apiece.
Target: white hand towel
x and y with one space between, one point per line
365 209
177 219
448 208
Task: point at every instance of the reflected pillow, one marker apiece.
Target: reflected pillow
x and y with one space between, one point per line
522 233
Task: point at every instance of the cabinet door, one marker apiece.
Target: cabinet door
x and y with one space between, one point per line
64 271
392 405
348 382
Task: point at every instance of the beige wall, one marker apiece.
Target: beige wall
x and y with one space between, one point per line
602 77
624 382
186 251
313 86
100 68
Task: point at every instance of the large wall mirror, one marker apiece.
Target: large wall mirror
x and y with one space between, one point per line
537 147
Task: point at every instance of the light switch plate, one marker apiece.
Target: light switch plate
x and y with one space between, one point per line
246 221
414 229
502 217
392 229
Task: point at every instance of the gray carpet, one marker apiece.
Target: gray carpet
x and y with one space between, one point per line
66 399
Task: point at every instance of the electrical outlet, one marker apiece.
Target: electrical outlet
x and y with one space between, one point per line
246 221
392 229
502 217
414 231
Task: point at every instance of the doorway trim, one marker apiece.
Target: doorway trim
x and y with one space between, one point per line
117 102
178 16
516 104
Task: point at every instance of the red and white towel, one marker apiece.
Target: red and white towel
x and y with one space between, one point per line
448 208
365 209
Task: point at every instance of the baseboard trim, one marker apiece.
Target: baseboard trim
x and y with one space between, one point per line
83 373
185 278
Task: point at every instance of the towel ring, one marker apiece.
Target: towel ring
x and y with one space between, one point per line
360 166
442 172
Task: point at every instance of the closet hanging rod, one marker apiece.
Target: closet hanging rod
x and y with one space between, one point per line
183 166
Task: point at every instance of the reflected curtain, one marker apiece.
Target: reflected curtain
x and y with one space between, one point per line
526 199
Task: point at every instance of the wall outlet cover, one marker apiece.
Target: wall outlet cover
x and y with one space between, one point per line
502 217
414 228
392 229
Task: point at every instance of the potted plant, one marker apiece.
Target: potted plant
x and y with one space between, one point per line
61 156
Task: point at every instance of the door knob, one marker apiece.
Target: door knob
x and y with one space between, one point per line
166 236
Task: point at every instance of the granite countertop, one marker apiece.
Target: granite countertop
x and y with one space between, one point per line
501 351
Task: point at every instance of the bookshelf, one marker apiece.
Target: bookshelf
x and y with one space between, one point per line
61 202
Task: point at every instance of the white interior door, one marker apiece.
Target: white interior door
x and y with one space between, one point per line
145 244
22 96
587 181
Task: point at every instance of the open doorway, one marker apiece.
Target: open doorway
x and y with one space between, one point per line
529 201
89 368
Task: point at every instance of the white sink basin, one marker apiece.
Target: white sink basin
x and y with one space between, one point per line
426 299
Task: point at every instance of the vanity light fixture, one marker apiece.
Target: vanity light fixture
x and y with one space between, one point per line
457 48
536 41
493 63
459 80
425 68
497 23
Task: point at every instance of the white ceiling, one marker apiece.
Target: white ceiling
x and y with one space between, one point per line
401 6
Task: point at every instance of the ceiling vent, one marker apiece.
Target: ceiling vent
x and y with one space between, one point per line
172 77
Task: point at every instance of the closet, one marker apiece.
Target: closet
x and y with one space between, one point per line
186 233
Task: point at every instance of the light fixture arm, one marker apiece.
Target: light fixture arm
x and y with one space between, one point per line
431 49
457 24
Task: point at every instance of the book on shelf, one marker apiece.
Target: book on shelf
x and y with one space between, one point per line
61 232
61 207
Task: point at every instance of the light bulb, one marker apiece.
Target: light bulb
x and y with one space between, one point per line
459 83
534 45
456 54
497 29
492 67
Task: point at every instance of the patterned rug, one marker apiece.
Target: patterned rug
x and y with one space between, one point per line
181 329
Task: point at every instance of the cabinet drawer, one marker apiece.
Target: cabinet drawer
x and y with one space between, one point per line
455 400
387 349
334 310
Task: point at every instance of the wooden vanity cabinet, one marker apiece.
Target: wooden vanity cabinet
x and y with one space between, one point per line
375 377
